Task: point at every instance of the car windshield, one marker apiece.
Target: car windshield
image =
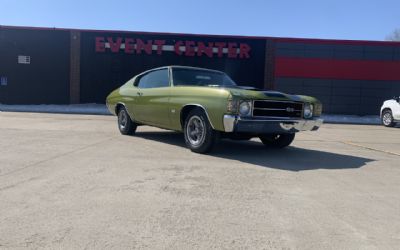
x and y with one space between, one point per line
198 77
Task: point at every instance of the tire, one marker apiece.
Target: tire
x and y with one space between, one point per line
387 118
125 124
277 140
200 137
239 137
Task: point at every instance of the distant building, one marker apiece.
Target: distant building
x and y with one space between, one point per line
61 66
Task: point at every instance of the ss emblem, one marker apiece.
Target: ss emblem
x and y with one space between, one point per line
289 109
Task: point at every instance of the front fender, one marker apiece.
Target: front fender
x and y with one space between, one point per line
212 100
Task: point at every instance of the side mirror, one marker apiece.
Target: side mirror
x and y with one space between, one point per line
397 98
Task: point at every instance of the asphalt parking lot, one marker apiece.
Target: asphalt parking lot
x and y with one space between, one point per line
73 182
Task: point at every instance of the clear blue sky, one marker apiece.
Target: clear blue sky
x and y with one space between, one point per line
340 19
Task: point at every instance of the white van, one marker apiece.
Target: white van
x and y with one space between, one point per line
390 112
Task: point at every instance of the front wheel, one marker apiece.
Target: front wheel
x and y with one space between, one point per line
277 140
200 137
387 118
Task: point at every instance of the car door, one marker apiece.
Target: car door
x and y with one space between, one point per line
152 103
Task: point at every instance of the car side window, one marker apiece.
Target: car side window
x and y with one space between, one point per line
141 83
154 79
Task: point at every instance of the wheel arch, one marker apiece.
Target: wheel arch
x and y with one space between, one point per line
118 107
189 107
386 109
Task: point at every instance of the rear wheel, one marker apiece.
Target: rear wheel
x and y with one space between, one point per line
277 140
238 137
200 137
387 118
125 124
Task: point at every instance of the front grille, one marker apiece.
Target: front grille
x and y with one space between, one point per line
285 109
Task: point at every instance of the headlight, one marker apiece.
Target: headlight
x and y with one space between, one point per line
245 108
308 110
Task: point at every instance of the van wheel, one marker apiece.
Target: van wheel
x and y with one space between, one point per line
387 118
200 137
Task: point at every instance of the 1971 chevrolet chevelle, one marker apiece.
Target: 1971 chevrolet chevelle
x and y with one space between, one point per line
207 105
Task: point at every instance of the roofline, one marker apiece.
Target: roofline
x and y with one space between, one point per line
279 39
178 66
194 68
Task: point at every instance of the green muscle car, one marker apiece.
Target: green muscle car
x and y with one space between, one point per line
207 105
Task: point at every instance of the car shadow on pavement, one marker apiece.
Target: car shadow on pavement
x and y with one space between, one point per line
253 152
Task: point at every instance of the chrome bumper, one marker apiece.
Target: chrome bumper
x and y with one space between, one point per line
262 126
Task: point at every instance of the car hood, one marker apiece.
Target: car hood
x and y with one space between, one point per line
245 92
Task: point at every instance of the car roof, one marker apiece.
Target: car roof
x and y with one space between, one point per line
183 67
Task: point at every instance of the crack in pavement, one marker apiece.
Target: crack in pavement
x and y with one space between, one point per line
55 157
369 148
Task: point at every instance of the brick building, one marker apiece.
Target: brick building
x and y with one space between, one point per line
61 66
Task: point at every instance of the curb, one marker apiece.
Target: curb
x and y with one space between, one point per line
83 109
101 109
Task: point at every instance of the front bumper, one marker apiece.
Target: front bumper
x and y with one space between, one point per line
234 123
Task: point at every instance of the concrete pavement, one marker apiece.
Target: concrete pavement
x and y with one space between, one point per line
73 182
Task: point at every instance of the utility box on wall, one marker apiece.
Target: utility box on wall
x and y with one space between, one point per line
24 59
3 81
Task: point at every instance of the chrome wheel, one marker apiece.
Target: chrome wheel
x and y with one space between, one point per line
122 119
195 130
199 135
387 119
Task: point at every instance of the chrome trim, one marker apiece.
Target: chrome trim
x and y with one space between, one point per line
297 124
302 125
171 78
277 119
201 106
